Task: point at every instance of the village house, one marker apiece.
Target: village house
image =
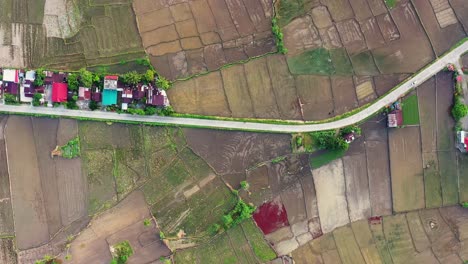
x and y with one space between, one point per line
109 95
96 96
84 93
157 97
127 98
59 92
395 118
462 141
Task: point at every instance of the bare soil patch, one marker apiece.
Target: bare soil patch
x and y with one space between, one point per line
206 33
344 94
406 169
7 251
237 91
27 198
234 152
442 39
357 186
316 96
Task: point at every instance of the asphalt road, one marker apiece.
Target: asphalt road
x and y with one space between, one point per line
422 76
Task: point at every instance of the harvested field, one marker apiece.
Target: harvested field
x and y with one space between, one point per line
427 115
445 139
463 177
406 169
6 211
331 196
60 35
27 196
378 167
316 96
7 251
234 152
198 36
92 244
357 187
442 38
344 94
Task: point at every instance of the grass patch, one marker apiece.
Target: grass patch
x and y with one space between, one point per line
410 110
260 247
316 61
287 10
391 3
326 157
341 62
71 149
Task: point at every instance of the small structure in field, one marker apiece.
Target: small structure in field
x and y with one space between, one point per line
349 138
395 118
462 141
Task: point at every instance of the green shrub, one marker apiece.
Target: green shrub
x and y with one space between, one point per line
11 99
131 78
350 129
149 110
329 140
214 229
123 251
147 222
161 235
464 204
86 78
278 160
37 99
40 77
163 83
134 111
459 109
72 81
244 185
71 149
299 141
93 105
148 76
278 36
240 212
143 62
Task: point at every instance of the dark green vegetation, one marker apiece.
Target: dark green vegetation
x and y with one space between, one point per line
71 149
278 36
123 251
326 157
11 99
391 3
317 61
36 99
410 110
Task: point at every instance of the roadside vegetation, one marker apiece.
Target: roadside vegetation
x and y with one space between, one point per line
459 108
71 149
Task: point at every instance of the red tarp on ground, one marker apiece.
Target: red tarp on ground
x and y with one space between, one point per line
271 216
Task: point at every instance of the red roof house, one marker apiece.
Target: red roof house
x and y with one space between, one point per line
395 118
84 93
59 92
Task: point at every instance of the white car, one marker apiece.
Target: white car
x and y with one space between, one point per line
413 83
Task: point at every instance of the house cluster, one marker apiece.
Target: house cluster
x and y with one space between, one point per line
116 93
20 84
54 89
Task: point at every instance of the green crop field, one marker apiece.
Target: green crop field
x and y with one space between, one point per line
326 157
316 61
410 110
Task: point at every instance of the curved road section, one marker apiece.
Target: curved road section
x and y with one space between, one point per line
426 73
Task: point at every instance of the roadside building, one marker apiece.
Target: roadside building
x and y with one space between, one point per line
59 92
11 88
11 76
140 92
127 98
109 95
84 93
462 141
96 96
395 118
157 97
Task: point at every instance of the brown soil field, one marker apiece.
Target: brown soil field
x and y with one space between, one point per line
406 169
383 83
463 177
202 35
427 114
445 140
234 152
316 96
7 251
237 91
92 244
460 9
442 39
344 94
27 196
6 211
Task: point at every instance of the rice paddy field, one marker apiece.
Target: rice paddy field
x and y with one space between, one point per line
342 54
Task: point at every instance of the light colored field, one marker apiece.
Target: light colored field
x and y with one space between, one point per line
260 89
347 246
357 187
237 91
331 195
406 169
365 240
420 239
398 238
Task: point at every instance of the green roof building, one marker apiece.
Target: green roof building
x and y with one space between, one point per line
109 97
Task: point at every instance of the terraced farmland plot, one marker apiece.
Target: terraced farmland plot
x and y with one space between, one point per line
202 35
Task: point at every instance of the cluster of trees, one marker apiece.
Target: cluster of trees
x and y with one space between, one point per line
459 108
332 139
123 251
279 36
11 99
133 78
